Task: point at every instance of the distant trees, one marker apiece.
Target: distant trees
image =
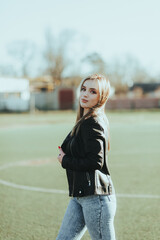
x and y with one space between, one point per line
54 59
22 52
57 58
55 55
7 70
96 62
124 72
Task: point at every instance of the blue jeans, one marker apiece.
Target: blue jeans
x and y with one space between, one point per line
95 213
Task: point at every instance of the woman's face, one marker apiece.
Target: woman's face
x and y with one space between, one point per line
89 94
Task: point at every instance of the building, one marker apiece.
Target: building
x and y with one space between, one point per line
14 94
145 90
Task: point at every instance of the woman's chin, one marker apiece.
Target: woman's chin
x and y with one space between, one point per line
83 105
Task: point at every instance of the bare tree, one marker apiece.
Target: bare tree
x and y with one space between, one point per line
96 62
55 55
8 70
134 71
127 71
22 52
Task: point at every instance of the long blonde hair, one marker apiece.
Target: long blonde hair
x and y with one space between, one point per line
98 110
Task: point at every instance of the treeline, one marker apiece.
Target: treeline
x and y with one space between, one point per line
62 58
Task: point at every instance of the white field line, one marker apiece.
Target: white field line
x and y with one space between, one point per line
45 190
58 191
35 189
125 195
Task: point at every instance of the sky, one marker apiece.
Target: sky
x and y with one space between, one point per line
114 28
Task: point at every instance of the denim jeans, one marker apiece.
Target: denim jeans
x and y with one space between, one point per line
95 213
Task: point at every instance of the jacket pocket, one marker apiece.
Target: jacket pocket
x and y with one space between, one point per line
88 179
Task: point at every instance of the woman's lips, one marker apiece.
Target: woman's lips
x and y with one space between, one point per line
83 100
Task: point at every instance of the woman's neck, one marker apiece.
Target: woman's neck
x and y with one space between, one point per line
85 111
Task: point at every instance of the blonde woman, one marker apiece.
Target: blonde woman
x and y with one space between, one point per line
84 155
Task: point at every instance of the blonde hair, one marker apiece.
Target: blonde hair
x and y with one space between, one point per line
98 110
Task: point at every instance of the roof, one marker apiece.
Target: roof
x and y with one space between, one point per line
147 87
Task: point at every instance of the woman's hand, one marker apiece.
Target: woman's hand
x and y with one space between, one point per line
61 154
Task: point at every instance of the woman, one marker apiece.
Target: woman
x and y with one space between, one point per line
84 155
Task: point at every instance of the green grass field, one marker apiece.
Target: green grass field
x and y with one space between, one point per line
29 143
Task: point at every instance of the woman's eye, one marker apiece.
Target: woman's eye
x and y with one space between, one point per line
93 92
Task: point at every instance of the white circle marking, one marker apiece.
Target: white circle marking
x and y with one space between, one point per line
46 190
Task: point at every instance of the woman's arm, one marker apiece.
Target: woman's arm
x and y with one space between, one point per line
94 140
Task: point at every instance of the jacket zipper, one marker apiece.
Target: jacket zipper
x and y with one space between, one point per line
73 183
88 179
73 171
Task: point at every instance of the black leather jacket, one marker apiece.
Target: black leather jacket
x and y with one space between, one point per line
86 161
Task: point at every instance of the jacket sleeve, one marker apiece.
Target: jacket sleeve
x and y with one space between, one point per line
93 141
64 144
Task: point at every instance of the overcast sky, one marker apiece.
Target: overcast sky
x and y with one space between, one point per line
112 28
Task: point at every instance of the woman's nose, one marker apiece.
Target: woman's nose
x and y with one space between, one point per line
85 94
